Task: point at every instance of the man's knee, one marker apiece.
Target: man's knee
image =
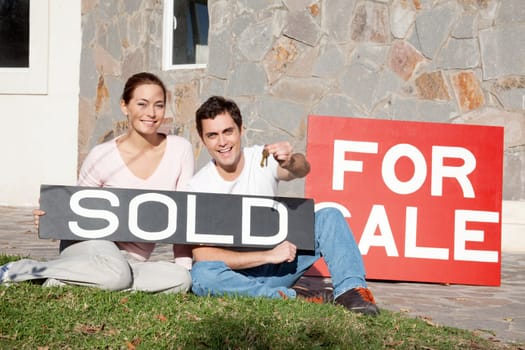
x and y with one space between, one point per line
205 275
328 214
206 270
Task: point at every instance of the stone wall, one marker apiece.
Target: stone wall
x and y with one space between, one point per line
455 61
120 38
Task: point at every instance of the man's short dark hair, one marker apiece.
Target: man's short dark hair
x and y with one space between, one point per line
215 106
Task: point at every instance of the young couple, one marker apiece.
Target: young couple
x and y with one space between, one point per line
144 158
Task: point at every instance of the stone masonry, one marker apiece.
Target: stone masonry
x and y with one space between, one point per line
451 61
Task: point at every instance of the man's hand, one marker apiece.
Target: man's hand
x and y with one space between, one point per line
281 151
291 165
37 213
284 252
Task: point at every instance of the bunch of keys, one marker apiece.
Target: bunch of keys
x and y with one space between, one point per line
264 159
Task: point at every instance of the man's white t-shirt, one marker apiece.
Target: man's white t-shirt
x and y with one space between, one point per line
253 180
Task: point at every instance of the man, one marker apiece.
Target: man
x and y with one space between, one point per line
271 273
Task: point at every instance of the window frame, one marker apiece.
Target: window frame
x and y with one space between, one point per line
33 79
167 42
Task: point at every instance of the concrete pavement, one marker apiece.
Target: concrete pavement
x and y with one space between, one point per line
497 312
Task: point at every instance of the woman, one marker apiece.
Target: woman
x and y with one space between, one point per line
142 158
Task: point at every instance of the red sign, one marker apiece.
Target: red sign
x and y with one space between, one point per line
422 199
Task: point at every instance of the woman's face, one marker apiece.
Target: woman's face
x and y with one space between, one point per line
146 109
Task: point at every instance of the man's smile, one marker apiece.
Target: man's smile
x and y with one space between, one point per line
225 150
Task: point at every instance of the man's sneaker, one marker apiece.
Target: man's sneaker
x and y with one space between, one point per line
4 272
316 296
358 300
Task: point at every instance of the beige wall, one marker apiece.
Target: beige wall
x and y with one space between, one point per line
38 136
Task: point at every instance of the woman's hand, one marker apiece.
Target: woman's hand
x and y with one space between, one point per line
37 213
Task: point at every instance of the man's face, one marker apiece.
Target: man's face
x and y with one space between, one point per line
222 138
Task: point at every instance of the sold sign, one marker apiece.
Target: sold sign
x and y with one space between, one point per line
132 215
422 199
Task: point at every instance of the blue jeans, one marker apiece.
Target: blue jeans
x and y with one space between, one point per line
333 240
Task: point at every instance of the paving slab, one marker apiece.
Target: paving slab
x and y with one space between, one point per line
493 312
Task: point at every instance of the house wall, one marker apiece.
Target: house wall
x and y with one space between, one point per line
457 61
38 136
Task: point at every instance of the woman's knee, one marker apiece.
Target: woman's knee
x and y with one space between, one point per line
160 277
179 277
115 272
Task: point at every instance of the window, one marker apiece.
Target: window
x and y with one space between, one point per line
23 46
14 34
185 42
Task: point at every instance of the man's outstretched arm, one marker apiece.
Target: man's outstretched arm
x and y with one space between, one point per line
284 252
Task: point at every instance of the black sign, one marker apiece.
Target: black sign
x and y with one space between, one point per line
131 215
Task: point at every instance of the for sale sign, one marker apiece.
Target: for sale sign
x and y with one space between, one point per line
422 199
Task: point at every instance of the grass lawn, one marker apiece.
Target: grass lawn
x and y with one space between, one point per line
33 317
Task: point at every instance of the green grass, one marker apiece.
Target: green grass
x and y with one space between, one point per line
33 317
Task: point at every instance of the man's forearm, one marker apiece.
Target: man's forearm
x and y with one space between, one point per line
297 167
233 259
